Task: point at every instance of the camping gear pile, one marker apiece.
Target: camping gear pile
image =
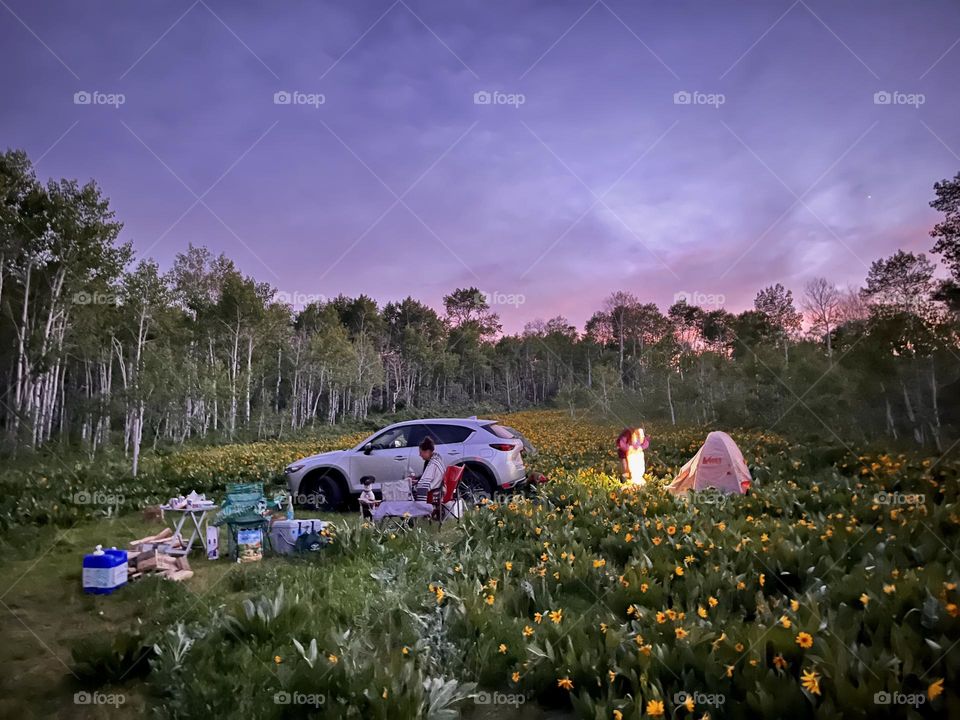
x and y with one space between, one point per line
718 465
253 522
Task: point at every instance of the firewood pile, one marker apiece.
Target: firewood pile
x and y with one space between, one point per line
161 554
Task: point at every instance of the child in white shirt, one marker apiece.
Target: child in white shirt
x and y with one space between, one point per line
368 501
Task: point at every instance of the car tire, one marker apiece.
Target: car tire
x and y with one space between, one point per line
475 485
320 491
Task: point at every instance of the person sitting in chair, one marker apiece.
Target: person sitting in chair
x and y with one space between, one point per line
433 469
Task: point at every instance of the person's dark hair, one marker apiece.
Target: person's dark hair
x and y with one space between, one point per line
426 445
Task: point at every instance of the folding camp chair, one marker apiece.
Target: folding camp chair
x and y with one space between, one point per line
244 509
448 492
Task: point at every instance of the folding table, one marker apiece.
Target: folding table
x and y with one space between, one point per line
198 518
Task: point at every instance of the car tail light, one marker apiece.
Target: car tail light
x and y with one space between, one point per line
502 446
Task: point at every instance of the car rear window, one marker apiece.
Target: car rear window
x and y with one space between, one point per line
446 434
441 434
501 432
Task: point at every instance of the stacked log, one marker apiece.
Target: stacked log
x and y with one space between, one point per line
161 554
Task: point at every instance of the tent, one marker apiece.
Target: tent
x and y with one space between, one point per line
718 464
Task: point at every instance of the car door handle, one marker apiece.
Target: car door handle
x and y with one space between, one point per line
399 457
454 452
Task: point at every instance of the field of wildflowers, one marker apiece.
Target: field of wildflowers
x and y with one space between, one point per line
830 591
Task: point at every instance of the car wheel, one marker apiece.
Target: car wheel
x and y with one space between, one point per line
475 487
320 492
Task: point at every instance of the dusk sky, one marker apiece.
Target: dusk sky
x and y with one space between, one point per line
699 147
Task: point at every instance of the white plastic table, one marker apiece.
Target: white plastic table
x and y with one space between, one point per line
198 518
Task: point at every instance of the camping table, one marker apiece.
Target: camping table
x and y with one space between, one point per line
198 517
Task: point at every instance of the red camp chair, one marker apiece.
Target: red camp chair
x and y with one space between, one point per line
451 493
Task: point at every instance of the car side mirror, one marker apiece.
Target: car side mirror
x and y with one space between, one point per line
368 448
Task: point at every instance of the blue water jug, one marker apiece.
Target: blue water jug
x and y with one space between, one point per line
104 570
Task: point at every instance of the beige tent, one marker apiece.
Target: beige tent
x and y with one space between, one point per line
718 464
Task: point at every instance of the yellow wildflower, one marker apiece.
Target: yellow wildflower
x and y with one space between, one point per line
811 681
935 689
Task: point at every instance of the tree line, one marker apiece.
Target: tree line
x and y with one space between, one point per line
99 349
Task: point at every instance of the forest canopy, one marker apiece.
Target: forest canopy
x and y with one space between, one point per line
100 349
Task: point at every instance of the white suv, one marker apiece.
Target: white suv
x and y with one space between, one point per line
492 456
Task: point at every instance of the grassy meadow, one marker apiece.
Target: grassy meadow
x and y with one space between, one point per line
830 591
